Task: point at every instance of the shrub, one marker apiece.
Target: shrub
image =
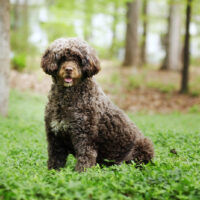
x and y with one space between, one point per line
19 62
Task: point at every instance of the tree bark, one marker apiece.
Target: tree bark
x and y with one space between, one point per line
25 14
131 44
87 24
16 13
114 29
144 34
172 60
186 53
4 55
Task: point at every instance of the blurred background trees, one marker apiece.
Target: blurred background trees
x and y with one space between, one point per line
135 33
131 43
144 18
173 37
186 50
4 55
116 28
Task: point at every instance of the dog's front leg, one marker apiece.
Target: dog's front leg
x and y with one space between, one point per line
86 158
86 154
57 152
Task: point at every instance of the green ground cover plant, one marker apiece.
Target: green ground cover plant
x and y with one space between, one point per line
164 88
174 173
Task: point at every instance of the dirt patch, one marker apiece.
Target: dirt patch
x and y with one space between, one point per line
147 100
36 82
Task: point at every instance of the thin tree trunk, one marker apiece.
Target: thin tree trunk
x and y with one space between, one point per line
144 34
114 29
172 60
131 45
4 55
88 12
186 59
25 14
16 13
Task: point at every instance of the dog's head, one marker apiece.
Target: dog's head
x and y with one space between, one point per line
69 61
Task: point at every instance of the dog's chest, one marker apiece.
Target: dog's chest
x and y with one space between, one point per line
59 126
66 118
69 113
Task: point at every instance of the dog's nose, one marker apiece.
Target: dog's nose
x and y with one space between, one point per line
68 69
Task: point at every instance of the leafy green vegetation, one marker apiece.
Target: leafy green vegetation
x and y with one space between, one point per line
134 82
24 175
194 109
195 87
19 62
165 88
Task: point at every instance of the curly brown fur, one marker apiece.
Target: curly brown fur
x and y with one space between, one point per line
80 119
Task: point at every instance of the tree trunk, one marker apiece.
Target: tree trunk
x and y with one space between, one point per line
87 24
4 56
25 14
144 34
16 13
114 29
186 53
23 27
131 45
173 60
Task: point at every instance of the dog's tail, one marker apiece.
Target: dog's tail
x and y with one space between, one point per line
142 151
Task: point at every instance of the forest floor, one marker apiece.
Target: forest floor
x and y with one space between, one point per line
173 174
146 90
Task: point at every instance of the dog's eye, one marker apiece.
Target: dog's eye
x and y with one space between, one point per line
84 61
57 56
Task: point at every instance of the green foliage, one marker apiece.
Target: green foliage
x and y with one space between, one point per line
134 82
195 87
102 52
23 155
194 109
20 32
75 18
19 62
165 88
115 79
61 30
61 20
20 49
79 18
194 92
195 61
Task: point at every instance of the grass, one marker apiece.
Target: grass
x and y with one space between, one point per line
134 82
23 155
164 88
195 87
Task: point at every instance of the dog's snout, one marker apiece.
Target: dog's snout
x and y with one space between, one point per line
69 69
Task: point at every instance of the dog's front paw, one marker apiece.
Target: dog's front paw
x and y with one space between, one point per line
83 166
53 164
80 168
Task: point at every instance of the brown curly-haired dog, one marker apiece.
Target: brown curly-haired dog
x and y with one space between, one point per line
80 119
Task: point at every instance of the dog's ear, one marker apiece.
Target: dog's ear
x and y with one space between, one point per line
91 65
49 62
